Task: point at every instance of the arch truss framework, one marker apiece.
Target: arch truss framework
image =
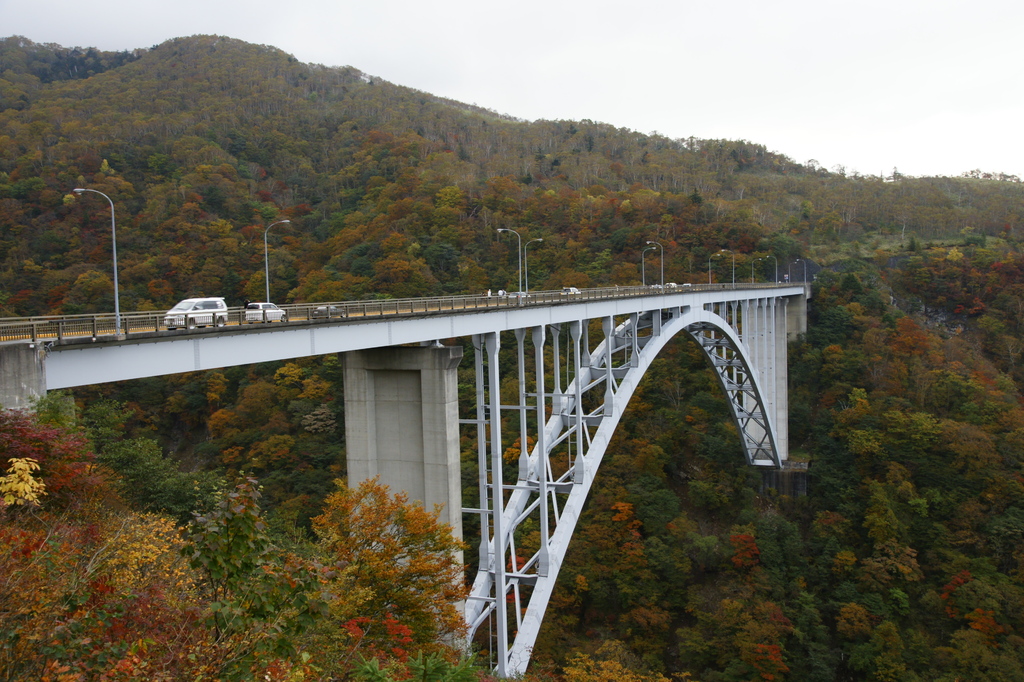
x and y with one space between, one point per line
567 411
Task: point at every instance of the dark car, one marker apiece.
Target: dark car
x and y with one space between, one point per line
325 312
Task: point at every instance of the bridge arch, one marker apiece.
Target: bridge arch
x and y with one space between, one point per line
574 425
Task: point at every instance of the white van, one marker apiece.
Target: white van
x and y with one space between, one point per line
197 312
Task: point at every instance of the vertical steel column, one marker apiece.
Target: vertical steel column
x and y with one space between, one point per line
481 447
543 461
524 457
773 390
585 334
634 357
762 346
769 369
497 504
608 324
557 399
575 330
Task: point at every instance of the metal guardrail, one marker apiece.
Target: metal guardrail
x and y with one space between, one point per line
61 328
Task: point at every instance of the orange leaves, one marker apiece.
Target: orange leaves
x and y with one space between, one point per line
766 659
397 578
983 620
746 555
910 338
512 452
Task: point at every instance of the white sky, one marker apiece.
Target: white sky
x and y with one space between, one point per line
931 87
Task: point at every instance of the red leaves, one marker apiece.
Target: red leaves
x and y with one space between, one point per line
746 554
947 593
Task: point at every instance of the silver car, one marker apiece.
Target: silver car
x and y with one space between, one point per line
264 312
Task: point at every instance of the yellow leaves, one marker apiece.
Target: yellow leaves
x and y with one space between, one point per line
865 443
843 562
316 389
216 385
290 375
613 663
223 424
19 486
580 583
276 449
144 550
854 621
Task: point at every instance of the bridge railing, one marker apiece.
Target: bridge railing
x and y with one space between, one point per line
59 328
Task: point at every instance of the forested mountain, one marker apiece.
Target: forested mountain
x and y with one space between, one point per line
903 561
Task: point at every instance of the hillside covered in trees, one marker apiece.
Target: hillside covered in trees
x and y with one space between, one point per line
903 561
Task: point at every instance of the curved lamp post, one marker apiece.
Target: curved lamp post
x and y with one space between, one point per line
266 261
776 281
662 262
113 245
520 251
526 264
798 260
643 265
733 265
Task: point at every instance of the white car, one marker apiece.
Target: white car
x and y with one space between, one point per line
264 312
197 312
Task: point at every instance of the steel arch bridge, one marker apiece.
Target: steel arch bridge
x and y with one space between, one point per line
571 427
571 395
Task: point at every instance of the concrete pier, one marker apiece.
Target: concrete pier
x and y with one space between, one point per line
22 375
402 424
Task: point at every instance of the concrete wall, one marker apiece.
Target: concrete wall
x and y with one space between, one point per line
402 424
22 375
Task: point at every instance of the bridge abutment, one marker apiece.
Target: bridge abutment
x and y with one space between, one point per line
402 424
22 375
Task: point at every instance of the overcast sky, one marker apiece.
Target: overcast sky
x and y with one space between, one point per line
931 87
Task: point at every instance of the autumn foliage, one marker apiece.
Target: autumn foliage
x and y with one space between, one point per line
903 561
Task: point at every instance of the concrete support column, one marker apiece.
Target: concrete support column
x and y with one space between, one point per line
402 424
796 315
780 353
22 375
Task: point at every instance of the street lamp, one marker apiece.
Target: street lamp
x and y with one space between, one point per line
643 265
519 250
266 261
776 268
798 260
113 246
733 265
526 264
662 262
